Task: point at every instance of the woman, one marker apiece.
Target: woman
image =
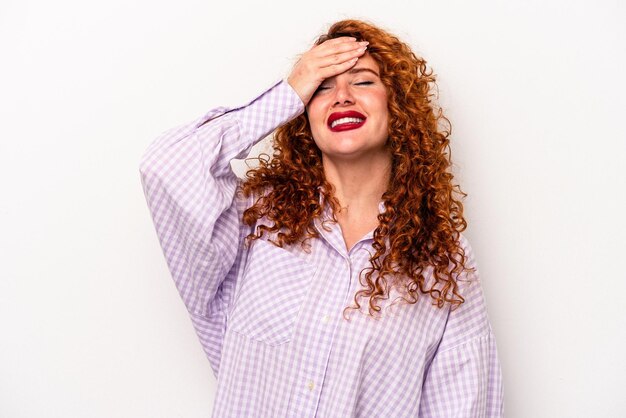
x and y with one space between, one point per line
356 207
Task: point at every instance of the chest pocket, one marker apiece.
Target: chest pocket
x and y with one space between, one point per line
274 286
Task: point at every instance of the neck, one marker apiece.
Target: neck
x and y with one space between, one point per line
358 184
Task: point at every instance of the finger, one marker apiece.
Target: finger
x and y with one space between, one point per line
333 70
339 40
334 42
340 58
325 50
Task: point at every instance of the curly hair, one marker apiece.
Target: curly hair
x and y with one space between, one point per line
418 234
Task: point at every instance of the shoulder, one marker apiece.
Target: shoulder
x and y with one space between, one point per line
469 261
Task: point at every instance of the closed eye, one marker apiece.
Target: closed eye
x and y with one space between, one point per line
364 83
321 88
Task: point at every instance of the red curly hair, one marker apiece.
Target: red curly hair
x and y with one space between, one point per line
418 235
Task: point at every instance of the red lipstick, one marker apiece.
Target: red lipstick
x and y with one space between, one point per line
353 120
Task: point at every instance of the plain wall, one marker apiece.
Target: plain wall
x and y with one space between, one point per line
90 321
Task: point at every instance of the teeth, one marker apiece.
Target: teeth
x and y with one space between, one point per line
346 120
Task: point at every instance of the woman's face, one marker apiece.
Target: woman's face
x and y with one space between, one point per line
348 113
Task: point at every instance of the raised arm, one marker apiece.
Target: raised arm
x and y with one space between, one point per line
190 190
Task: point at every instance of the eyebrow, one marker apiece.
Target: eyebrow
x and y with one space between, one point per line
362 69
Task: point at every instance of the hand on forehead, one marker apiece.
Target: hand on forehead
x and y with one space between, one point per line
328 59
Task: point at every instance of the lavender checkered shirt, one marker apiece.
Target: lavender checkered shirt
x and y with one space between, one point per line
270 319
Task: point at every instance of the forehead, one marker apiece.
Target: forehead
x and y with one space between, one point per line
366 61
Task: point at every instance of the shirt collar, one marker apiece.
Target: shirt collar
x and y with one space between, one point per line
330 229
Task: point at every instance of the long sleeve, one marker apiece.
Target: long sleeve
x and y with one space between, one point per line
191 194
464 378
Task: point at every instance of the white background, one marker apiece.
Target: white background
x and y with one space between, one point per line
90 322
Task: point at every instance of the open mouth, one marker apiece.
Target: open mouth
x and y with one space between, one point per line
344 121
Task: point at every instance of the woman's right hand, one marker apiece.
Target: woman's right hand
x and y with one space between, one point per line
328 59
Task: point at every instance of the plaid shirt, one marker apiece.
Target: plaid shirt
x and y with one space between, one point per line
270 319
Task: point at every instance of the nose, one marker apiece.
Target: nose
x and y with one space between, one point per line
343 95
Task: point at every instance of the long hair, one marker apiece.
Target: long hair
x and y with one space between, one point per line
418 236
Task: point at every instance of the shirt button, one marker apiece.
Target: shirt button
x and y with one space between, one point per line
311 385
326 319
